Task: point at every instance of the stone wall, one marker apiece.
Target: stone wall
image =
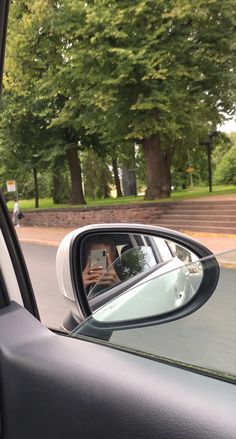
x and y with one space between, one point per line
146 213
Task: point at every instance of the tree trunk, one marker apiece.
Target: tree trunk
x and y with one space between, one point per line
129 182
106 192
36 188
77 195
209 166
56 186
158 170
116 178
60 184
104 182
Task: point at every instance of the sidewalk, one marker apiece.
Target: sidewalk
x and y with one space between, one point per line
217 243
42 235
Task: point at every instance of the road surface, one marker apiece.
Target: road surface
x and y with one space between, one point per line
206 338
40 260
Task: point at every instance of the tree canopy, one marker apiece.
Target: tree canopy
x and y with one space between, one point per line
107 75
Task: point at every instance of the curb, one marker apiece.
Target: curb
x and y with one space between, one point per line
39 242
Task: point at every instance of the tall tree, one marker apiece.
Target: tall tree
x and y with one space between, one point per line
117 73
116 177
97 175
33 48
152 69
22 138
224 159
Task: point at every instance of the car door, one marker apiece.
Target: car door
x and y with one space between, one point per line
55 386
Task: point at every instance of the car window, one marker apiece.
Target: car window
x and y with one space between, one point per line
112 259
123 100
129 264
165 289
205 339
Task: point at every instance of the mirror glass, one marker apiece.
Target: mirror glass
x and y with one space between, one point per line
128 276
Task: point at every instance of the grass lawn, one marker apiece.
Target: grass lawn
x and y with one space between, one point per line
47 203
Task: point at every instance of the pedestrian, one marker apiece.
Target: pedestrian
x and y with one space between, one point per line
17 214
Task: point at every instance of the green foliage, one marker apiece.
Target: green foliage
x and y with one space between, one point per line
130 263
97 176
224 160
104 75
225 172
28 106
143 69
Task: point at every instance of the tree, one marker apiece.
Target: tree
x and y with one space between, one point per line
114 163
22 137
60 180
97 175
33 46
225 172
107 75
151 69
224 158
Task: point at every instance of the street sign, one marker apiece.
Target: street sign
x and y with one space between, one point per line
11 186
189 170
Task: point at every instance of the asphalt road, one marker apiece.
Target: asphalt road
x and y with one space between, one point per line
206 338
40 260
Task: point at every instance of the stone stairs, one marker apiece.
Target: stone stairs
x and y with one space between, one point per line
213 216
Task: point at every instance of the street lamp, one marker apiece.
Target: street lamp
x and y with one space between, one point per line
208 143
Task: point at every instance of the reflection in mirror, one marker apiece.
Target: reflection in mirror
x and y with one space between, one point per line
160 293
112 264
98 255
126 266
108 259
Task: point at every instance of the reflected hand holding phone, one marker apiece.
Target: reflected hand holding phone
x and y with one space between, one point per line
98 259
99 267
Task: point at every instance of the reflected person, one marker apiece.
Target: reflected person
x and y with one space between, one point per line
93 272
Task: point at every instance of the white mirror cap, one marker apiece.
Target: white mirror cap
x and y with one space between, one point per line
63 257
63 266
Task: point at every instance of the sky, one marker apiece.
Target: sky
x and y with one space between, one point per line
228 127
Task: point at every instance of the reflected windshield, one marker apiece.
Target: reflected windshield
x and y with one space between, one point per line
129 264
163 290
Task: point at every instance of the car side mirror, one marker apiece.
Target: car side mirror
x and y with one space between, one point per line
125 275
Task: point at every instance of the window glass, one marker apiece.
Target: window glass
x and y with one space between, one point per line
107 260
205 338
122 99
159 294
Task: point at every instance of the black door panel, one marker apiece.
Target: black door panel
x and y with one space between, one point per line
57 387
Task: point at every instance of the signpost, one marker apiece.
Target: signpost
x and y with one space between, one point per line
189 171
208 143
12 187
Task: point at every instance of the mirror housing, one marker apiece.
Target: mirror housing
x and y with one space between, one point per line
70 275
